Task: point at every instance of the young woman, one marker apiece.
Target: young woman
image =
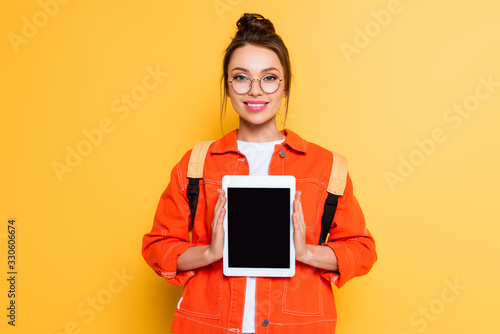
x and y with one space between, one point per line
256 78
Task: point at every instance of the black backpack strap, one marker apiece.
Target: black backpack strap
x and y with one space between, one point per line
194 174
336 187
193 191
328 215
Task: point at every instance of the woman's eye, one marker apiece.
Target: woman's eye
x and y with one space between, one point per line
240 78
270 78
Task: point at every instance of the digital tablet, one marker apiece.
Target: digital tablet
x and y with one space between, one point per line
258 227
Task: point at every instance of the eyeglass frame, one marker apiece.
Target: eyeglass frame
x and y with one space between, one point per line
260 85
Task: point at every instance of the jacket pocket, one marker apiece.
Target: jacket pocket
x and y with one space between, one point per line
302 293
202 294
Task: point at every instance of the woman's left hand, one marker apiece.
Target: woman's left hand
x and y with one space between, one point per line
314 255
299 225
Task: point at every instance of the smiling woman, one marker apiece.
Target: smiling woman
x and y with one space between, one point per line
256 47
256 92
256 79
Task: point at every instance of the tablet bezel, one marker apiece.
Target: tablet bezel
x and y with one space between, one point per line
247 181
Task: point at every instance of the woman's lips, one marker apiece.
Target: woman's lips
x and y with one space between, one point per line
255 106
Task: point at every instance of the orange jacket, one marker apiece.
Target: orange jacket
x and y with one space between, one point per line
212 303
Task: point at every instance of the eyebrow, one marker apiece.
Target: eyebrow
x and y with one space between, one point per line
264 70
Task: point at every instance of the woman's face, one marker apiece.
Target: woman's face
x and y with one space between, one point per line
256 107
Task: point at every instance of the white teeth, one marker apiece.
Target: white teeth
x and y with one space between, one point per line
256 105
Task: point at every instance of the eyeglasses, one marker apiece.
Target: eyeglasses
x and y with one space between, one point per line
268 83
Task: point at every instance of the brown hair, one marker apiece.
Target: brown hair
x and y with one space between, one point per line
256 30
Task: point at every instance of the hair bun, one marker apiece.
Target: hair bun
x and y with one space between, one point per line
252 23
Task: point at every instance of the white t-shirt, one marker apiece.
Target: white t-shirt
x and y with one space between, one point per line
259 157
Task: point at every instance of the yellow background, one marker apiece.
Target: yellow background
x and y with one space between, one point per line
438 227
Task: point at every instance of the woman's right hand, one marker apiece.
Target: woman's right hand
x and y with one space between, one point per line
217 245
200 256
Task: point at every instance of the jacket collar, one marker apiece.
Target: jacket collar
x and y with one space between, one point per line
228 143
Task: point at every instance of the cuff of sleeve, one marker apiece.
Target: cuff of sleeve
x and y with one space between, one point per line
345 261
169 267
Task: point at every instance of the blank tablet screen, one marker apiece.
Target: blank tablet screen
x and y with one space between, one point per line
258 227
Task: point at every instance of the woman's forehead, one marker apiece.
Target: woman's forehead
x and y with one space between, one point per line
254 59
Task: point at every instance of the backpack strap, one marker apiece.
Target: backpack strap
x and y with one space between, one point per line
338 176
195 173
197 159
336 187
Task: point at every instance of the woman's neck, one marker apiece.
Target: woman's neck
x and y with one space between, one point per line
260 133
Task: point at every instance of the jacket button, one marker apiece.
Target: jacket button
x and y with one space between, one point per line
265 322
282 153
